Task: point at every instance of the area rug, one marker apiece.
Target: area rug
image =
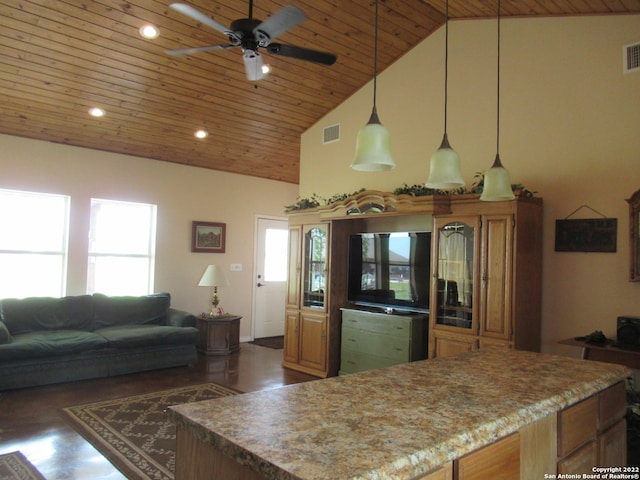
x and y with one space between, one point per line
15 466
135 433
270 342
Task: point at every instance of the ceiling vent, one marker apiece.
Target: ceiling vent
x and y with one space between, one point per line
331 134
631 57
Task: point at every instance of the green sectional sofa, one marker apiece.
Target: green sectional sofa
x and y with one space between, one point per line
50 340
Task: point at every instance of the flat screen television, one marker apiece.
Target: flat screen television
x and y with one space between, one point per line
390 270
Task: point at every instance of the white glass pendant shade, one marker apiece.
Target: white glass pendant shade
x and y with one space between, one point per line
373 147
497 184
444 168
253 65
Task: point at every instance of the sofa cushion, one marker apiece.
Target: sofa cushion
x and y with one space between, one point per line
50 343
126 310
148 335
47 313
5 336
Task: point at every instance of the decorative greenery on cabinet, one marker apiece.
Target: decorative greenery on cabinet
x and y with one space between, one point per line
417 190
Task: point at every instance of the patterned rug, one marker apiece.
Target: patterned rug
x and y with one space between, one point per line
135 433
15 466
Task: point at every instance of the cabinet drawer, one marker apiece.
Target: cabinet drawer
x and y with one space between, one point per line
612 445
353 362
498 461
576 425
613 405
395 325
580 461
442 473
375 344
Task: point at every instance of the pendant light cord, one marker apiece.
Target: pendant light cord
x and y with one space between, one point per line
498 91
375 58
446 63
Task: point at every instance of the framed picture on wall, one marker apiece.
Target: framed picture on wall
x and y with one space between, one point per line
208 237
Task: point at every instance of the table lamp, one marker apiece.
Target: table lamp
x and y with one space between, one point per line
214 277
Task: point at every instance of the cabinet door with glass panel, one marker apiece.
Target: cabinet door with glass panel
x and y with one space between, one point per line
454 286
314 266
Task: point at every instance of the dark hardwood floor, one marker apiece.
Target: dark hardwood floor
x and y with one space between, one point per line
31 420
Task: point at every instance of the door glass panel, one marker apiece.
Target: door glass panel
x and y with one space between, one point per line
455 275
315 267
275 254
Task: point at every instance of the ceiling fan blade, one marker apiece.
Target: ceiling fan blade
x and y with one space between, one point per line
302 53
253 65
189 51
278 23
194 14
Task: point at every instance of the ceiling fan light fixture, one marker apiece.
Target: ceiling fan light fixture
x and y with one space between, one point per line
373 146
254 65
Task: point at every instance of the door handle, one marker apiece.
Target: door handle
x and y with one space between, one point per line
261 284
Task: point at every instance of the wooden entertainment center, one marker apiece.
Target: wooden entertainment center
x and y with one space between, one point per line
488 292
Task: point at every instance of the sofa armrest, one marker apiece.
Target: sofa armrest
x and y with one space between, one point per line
180 318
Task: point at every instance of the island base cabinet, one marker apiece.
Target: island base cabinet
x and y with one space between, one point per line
612 446
443 473
569 441
197 460
581 461
498 461
593 432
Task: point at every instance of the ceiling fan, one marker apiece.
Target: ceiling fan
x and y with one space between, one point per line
250 34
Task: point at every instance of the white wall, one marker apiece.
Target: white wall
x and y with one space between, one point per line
182 193
570 130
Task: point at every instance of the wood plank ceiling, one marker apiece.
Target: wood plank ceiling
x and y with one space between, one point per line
58 58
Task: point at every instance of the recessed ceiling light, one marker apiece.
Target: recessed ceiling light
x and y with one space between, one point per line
266 68
97 112
149 31
201 134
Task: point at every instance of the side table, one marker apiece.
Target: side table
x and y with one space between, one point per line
219 335
606 353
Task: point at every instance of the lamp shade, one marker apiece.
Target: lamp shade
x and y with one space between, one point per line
444 168
373 151
213 276
497 184
373 148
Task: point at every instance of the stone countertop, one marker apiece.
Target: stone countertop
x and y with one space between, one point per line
397 422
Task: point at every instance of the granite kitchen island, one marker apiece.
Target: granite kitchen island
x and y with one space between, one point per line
483 414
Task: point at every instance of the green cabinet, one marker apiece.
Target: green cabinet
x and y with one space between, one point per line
373 340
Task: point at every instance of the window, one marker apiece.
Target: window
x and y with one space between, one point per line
122 239
33 244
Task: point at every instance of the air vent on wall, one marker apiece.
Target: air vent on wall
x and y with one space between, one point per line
631 57
331 134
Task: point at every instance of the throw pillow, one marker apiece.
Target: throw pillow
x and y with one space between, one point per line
5 336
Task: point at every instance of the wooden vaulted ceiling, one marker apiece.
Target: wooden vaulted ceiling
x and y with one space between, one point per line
58 58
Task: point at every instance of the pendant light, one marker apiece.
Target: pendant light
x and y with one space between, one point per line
497 183
444 168
373 148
